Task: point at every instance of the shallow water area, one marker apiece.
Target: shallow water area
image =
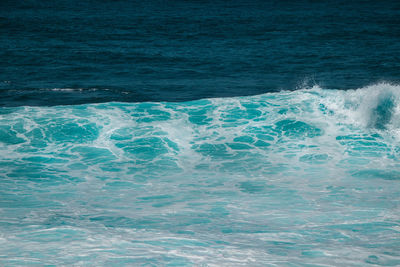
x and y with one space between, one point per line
306 177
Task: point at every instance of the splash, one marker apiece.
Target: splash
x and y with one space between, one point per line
303 176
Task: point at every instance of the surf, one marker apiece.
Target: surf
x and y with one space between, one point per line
284 176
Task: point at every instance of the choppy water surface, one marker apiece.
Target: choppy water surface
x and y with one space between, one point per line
199 133
304 177
135 51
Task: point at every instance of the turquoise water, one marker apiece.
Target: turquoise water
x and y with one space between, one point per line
100 166
303 178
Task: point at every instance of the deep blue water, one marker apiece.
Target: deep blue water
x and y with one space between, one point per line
183 50
199 133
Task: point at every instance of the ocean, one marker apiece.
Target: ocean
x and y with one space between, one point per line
199 133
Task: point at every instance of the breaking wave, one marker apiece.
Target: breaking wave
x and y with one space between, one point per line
272 178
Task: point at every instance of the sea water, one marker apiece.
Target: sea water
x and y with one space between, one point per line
309 177
156 50
199 133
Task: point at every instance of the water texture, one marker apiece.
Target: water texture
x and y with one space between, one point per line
285 179
77 52
199 133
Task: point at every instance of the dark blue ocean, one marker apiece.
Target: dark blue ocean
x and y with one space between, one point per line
199 133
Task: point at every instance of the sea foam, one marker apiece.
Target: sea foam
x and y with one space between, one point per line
309 176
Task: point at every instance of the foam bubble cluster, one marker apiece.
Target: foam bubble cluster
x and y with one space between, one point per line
303 176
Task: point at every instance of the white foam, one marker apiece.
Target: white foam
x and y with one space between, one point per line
252 204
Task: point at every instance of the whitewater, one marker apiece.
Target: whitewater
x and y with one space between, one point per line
294 178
